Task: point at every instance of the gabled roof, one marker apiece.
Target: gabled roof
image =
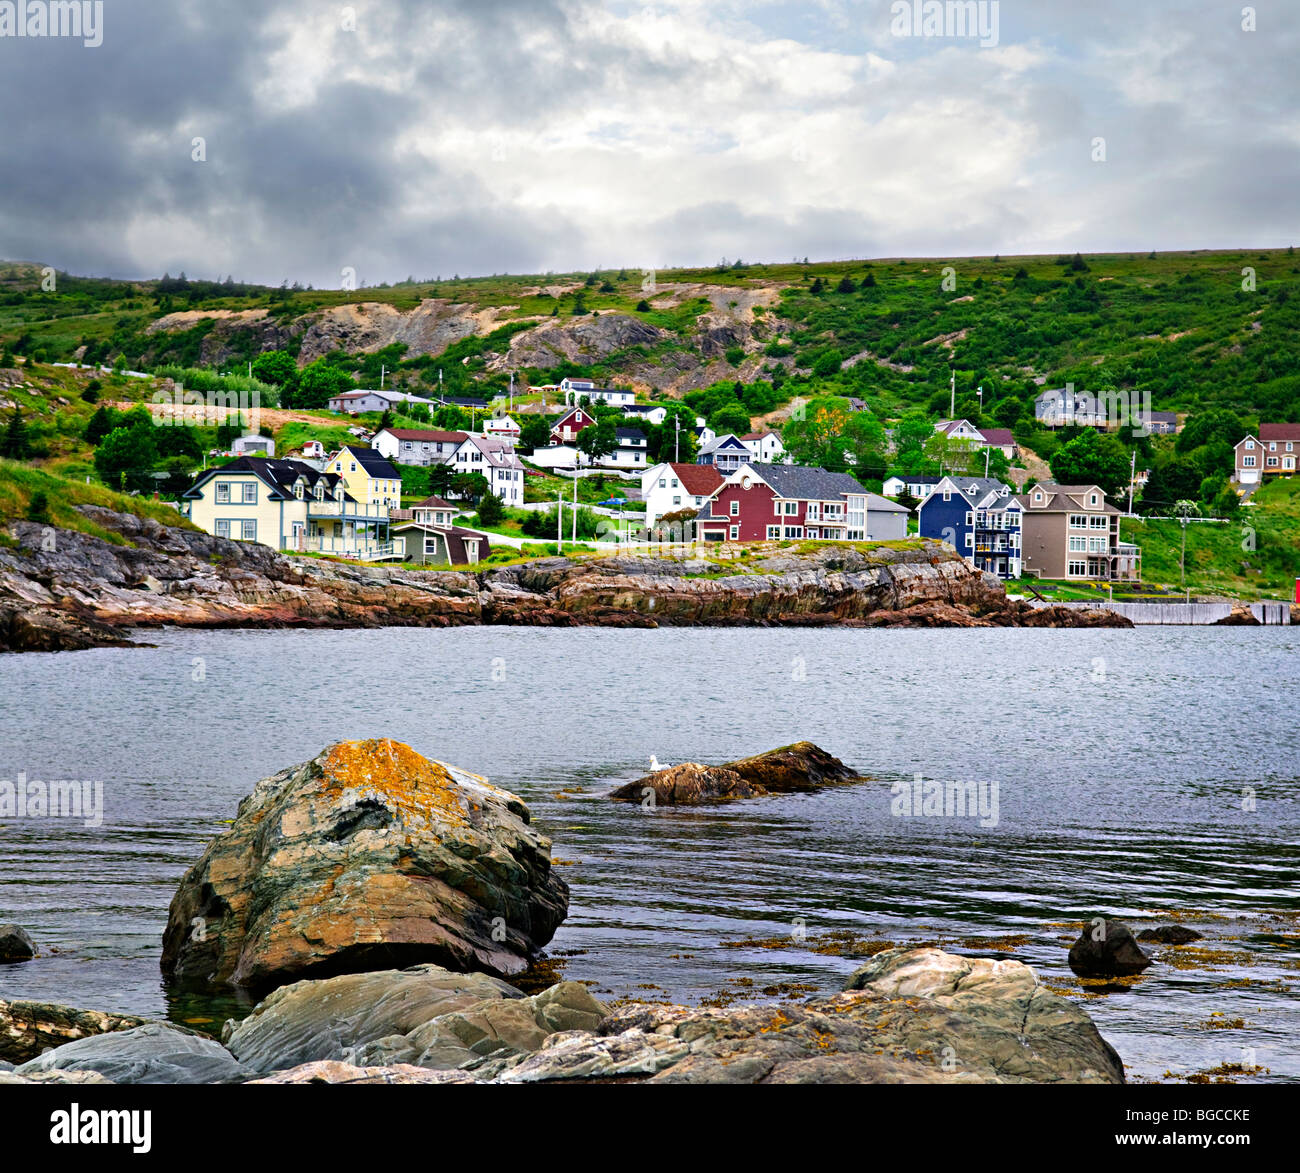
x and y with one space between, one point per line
978 492
726 440
427 437
795 482
1063 498
760 436
434 503
279 476
630 434
997 437
559 423
373 461
700 480
1275 432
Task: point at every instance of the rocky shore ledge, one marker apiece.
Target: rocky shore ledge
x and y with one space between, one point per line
61 590
378 900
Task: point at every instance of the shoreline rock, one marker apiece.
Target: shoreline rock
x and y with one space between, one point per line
369 855
15 945
791 769
87 592
28 1028
1107 948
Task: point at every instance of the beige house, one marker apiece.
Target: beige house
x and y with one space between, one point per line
368 475
288 505
1072 531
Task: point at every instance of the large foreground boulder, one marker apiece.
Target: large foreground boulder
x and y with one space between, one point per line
156 1052
788 770
1106 948
28 1028
367 857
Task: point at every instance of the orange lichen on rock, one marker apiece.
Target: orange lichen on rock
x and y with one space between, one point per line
408 780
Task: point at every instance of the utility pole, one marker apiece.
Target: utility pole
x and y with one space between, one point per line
1132 482
952 402
677 438
559 522
575 506
986 447
383 371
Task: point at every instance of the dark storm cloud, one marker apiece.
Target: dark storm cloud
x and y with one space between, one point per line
525 135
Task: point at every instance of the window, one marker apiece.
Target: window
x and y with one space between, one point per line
1101 521
1078 570
1250 445
1272 445
223 529
1078 545
735 509
1092 499
970 541
223 493
790 508
250 492
354 466
1246 462
1078 521
735 533
947 494
250 531
794 531
970 517
773 532
1272 462
677 500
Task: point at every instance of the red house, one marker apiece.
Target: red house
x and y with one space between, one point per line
766 502
568 426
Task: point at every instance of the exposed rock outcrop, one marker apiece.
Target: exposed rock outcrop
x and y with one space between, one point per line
788 770
87 592
366 856
28 1028
157 1052
1106 948
1170 935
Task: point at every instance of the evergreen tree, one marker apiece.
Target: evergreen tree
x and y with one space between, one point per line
14 444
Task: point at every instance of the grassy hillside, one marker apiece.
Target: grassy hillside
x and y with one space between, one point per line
1177 325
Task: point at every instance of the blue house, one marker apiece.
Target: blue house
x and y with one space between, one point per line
981 518
727 453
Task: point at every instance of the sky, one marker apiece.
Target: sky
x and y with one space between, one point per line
301 141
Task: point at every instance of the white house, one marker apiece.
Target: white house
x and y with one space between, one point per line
631 450
253 445
646 413
766 447
501 428
416 446
497 461
355 402
914 486
670 488
576 390
558 456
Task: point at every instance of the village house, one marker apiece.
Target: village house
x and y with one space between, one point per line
646 413
631 450
999 439
571 425
1065 406
464 402
1072 531
497 461
369 477
502 428
576 390
670 488
765 447
418 447
288 505
769 502
980 517
1272 452
726 453
919 487
431 536
356 402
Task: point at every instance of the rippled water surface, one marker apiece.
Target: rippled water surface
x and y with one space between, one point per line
1139 772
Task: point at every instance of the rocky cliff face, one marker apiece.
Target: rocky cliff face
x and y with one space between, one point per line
85 592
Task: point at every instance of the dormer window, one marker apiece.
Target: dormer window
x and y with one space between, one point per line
1092 500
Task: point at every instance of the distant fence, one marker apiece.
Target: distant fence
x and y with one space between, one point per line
1184 614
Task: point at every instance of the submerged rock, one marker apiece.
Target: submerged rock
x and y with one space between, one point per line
1170 935
28 1028
15 944
156 1052
788 770
1106 948
366 856
332 1071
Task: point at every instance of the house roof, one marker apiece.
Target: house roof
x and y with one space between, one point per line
559 423
455 537
700 480
279 476
1062 498
997 436
434 503
726 440
1166 417
1272 432
630 434
427 437
759 436
374 462
975 490
795 482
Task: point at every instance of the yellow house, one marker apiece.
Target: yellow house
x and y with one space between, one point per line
288 505
368 475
